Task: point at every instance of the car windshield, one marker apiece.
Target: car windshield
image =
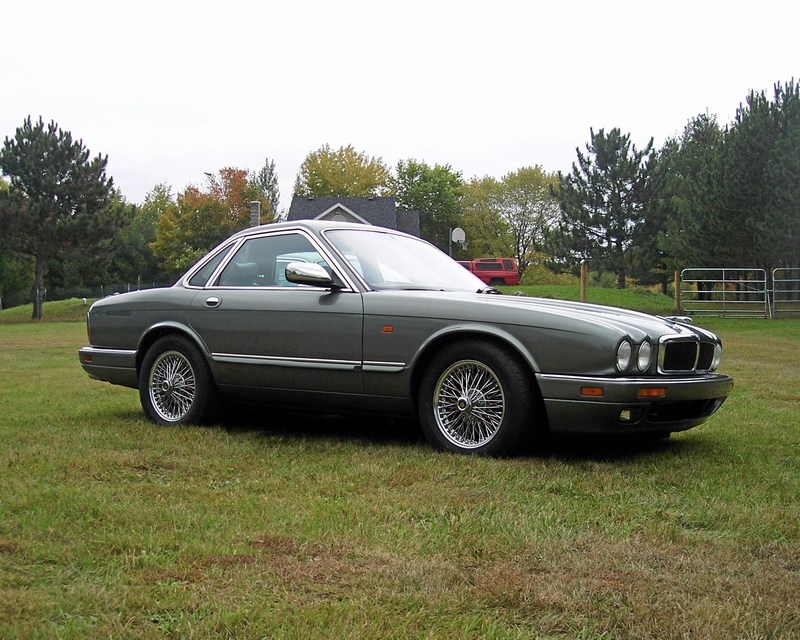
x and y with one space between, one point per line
389 261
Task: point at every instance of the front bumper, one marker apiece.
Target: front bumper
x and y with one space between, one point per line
623 406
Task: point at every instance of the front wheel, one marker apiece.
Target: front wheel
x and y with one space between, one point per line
478 398
175 385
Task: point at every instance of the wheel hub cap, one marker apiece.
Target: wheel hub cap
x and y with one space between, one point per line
469 404
172 386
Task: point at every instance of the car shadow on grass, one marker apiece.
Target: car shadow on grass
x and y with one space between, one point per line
378 430
624 448
383 431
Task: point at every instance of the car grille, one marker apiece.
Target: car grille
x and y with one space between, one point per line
680 356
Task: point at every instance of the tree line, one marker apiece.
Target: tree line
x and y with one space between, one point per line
712 196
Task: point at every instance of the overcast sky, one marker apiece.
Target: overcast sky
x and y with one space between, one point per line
171 90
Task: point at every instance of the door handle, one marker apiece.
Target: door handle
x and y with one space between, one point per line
213 301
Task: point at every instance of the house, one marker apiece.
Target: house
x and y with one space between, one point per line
380 211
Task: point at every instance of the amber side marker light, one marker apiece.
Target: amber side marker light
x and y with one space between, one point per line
594 392
652 392
387 328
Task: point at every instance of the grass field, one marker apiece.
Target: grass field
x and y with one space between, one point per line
281 526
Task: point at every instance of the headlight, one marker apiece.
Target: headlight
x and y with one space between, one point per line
644 356
717 357
624 353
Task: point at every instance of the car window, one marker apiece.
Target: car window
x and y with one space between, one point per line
262 262
202 275
393 261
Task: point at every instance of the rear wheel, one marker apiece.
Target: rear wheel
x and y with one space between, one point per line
478 398
175 385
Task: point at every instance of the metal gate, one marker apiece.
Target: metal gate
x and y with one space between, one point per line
731 293
786 292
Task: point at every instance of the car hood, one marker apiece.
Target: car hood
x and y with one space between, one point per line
557 315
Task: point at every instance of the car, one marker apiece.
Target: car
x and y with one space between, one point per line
496 272
351 318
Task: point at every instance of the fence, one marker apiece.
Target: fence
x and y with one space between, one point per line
740 292
786 292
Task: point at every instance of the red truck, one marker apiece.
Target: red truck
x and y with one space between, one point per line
494 271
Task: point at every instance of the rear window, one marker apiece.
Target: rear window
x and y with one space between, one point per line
488 266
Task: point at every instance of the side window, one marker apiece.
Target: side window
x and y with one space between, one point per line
507 265
261 262
202 275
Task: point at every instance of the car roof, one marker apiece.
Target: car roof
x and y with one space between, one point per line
315 226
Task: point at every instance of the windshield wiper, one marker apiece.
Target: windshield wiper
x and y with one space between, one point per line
490 291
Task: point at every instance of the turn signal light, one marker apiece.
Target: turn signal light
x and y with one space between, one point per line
652 392
594 392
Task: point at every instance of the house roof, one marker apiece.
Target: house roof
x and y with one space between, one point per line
380 211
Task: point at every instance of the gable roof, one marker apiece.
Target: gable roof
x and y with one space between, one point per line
380 211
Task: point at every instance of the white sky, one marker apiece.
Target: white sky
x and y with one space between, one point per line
170 90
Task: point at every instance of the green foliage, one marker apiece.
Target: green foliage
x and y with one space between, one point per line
58 199
606 200
266 180
435 192
199 220
761 173
511 217
692 193
343 172
488 233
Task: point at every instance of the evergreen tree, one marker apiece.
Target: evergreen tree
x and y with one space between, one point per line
605 202
692 196
761 174
266 180
60 197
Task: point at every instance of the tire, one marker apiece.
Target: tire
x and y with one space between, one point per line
175 385
478 398
497 282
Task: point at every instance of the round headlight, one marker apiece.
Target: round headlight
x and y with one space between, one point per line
645 355
717 357
624 353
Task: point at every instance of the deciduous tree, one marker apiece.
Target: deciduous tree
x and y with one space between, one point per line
199 220
435 192
343 172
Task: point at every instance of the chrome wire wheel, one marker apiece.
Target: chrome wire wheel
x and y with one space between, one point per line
469 404
172 386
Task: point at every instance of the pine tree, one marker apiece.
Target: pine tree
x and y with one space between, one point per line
605 202
61 196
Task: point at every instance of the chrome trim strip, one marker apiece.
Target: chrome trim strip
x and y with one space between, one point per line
110 352
384 367
278 361
663 341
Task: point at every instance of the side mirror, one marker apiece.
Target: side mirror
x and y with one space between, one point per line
311 274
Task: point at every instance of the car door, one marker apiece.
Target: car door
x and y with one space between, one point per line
263 331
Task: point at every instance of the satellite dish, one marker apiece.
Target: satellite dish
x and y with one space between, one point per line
458 235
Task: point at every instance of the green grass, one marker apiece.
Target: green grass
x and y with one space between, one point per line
72 310
281 526
637 298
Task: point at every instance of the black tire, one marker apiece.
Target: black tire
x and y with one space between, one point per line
175 385
479 398
497 282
